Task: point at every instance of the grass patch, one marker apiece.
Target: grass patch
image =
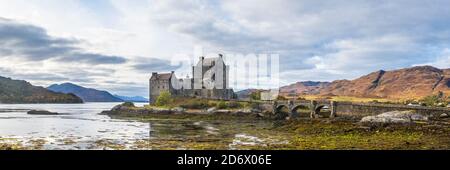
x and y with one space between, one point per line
188 117
320 135
194 103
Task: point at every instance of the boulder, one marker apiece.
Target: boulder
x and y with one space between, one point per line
395 117
41 112
179 109
119 108
244 111
161 111
444 115
211 110
222 111
260 115
106 112
256 110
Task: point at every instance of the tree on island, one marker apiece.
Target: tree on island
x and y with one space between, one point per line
435 100
163 99
255 95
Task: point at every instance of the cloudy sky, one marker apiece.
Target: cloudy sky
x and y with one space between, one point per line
116 44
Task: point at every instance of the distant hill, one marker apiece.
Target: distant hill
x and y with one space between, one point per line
299 88
245 94
132 99
87 94
19 91
302 88
408 83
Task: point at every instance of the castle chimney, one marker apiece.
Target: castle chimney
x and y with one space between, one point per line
220 55
173 72
154 73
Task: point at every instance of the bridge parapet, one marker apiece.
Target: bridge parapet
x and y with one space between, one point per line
353 109
369 109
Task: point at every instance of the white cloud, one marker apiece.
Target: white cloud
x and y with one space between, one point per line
317 40
442 60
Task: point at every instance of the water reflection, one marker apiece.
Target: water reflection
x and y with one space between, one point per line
81 127
78 127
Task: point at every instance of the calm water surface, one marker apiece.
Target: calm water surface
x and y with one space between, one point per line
79 126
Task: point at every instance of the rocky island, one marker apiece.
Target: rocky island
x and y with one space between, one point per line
41 112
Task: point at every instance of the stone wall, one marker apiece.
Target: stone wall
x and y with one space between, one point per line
369 109
221 94
158 86
358 109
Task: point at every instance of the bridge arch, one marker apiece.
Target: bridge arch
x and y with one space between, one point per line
282 111
323 110
301 110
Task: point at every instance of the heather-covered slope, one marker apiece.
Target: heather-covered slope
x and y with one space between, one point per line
416 82
87 94
306 87
19 91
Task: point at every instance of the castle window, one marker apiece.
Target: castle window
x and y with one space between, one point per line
214 77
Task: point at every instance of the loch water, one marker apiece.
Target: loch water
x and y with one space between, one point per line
81 127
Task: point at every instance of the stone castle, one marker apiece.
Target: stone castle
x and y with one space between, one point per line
210 80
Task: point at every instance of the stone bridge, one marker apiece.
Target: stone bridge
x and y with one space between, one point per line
314 107
334 108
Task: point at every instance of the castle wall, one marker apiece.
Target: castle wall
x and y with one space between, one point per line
223 94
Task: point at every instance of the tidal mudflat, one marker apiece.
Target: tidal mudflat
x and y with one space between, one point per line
237 132
80 126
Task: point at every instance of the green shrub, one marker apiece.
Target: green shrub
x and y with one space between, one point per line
434 100
281 98
255 95
195 104
221 105
164 99
234 105
128 104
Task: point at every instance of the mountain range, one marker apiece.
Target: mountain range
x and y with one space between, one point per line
303 88
87 94
93 95
19 91
132 98
245 94
408 83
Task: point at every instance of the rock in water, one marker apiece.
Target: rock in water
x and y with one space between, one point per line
179 109
211 110
41 112
444 115
395 117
